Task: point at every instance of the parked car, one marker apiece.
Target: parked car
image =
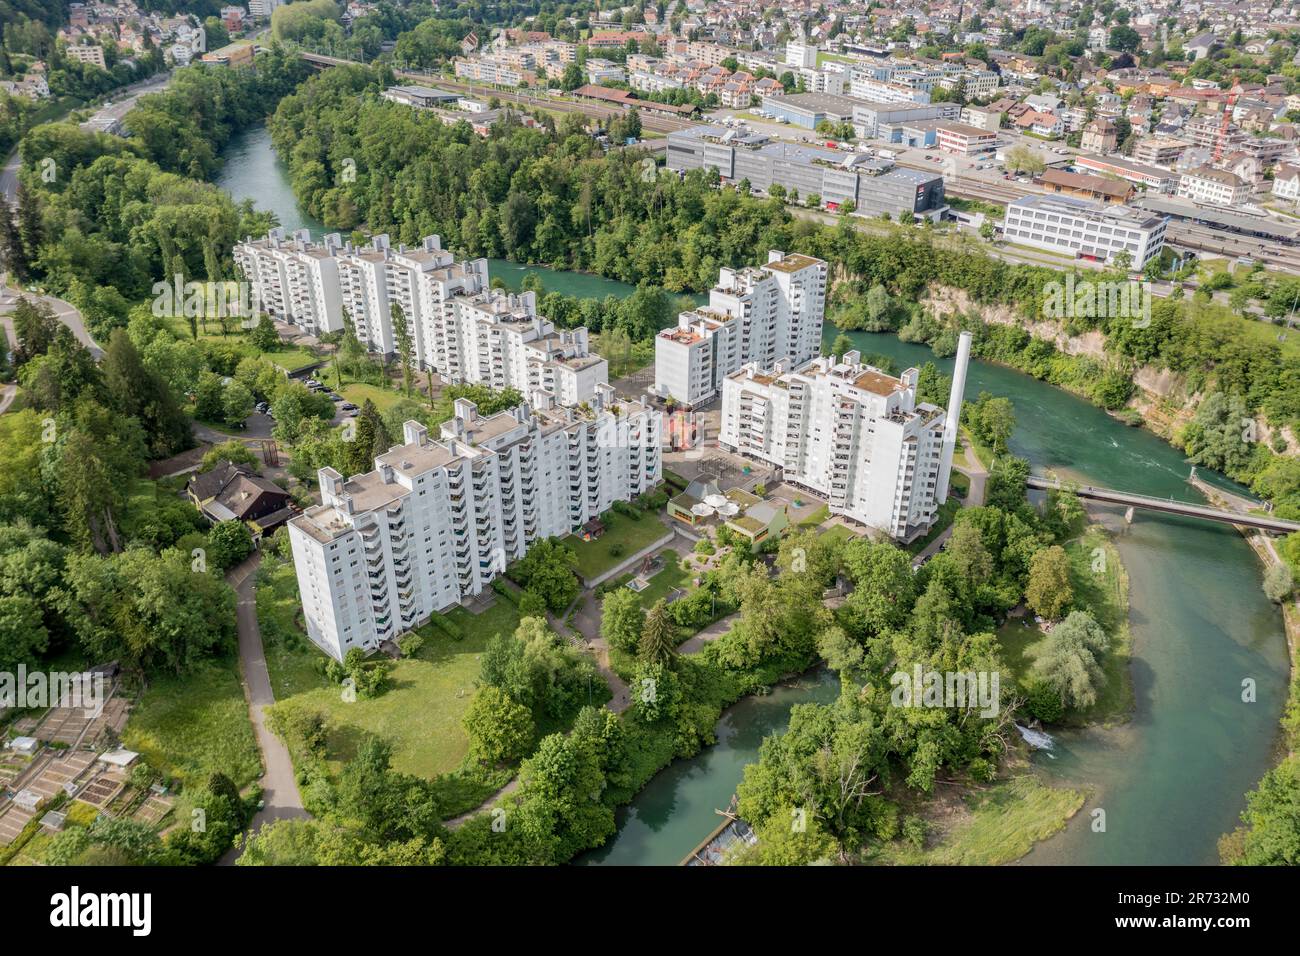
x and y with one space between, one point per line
348 407
335 398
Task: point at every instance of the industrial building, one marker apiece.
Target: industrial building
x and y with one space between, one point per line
835 176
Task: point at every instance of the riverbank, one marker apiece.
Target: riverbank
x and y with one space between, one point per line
990 825
1101 587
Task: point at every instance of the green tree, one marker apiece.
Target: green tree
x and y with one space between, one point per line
1071 660
622 620
658 644
1049 592
229 542
499 729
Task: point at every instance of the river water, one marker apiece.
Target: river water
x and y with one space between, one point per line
1170 781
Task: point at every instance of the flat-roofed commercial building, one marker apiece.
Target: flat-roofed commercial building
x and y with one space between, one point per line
810 109
424 97
964 140
872 119
1152 177
836 176
1084 229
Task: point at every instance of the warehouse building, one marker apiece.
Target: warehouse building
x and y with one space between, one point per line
809 109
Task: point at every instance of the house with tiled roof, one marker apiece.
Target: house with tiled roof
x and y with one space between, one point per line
231 492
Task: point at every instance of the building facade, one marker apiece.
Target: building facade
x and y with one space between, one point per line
437 520
762 315
1084 229
850 433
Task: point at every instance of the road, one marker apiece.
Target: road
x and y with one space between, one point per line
279 784
116 109
63 311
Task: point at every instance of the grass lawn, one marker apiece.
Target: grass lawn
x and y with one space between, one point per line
594 557
384 398
816 518
190 726
982 452
419 715
839 531
997 825
1105 594
289 357
669 577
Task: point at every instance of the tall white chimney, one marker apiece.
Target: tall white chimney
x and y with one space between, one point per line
952 425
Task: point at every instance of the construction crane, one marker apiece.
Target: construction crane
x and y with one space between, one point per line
1228 105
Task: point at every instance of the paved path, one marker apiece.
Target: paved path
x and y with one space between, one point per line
63 311
279 785
7 395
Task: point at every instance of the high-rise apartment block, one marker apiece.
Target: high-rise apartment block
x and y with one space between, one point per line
761 315
437 520
459 327
850 433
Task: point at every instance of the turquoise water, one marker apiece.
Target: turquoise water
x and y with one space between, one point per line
1173 779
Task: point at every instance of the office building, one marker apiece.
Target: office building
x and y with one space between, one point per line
836 177
1085 229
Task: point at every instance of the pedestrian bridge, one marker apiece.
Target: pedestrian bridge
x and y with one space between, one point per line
1170 506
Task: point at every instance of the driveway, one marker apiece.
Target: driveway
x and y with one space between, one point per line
279 785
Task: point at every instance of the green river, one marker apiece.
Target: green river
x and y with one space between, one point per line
1171 780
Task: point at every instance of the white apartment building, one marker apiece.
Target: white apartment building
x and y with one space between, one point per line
866 87
1286 181
604 71
850 433
437 521
294 279
459 327
1217 187
692 359
262 9
489 69
498 339
1085 229
758 315
801 52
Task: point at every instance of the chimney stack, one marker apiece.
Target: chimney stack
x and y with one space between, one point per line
952 425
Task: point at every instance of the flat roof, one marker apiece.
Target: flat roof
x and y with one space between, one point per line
1137 169
1129 216
1183 210
793 262
815 102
